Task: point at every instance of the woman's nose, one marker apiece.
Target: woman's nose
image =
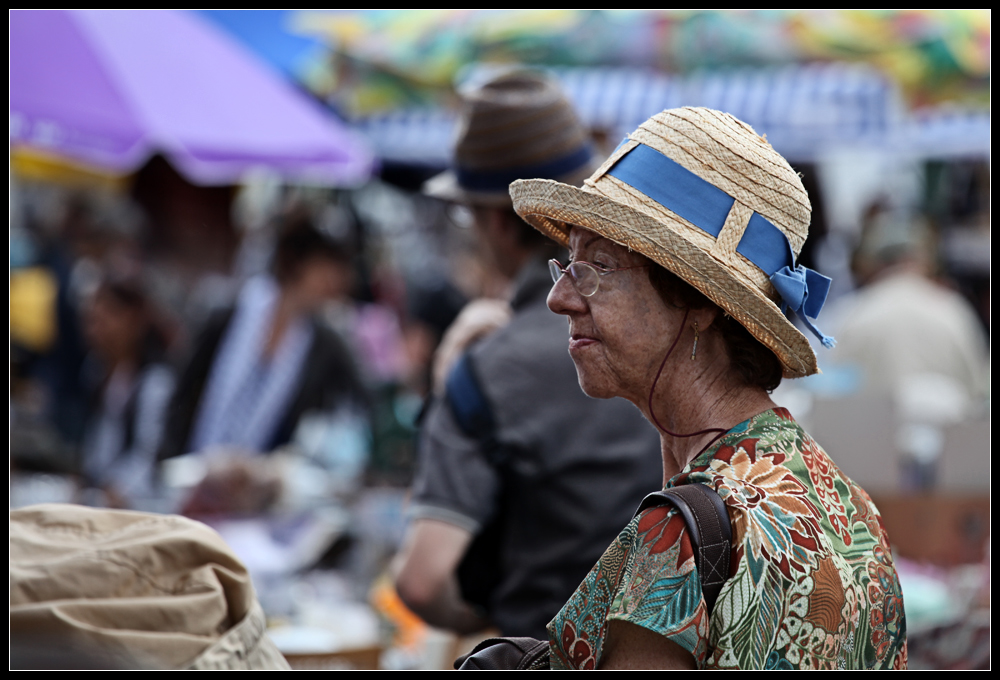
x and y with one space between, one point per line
563 298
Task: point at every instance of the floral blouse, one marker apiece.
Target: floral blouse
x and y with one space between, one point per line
812 583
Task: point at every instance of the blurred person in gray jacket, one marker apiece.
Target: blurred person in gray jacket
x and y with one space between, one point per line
915 343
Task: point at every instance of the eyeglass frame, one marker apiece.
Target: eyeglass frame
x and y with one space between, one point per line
556 268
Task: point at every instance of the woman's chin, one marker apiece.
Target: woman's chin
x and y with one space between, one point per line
598 389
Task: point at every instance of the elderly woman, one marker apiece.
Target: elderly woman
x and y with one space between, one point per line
682 263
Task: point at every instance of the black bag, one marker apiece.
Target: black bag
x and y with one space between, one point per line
506 654
708 526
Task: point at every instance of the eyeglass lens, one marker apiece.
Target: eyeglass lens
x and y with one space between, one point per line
555 271
584 277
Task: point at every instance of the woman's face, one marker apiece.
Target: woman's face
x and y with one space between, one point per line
619 335
320 279
112 328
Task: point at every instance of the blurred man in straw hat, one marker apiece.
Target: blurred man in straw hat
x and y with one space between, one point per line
522 479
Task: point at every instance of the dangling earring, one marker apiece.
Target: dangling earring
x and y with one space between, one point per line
694 349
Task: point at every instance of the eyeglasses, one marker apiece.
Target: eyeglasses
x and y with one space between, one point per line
585 277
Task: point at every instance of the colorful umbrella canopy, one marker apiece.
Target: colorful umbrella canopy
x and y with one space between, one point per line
110 88
398 58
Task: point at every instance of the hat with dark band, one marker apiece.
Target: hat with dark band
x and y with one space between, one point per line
700 193
513 126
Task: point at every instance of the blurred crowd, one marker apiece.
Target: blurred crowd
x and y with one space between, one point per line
324 328
138 383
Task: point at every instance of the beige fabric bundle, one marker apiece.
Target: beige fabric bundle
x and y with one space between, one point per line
108 588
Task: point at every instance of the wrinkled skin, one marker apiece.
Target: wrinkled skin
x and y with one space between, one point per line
619 335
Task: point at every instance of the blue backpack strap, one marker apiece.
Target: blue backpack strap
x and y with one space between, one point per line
479 573
469 405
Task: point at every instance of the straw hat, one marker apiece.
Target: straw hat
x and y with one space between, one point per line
515 125
700 193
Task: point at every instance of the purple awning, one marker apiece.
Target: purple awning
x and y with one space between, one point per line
110 88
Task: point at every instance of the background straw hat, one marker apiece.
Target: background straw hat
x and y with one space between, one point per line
729 155
518 124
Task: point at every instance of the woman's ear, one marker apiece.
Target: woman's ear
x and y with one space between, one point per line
703 317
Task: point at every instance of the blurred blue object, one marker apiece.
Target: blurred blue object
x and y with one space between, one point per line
804 110
836 380
264 31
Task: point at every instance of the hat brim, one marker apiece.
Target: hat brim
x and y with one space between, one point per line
553 208
445 186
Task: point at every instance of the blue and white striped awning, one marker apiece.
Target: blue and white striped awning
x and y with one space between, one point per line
422 137
944 133
799 108
803 110
618 99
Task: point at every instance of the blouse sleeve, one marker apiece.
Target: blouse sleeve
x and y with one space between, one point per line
660 589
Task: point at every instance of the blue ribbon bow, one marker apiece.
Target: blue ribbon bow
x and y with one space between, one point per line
706 206
804 291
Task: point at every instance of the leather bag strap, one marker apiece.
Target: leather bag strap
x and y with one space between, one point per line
708 526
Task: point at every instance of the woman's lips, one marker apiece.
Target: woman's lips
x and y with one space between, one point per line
578 341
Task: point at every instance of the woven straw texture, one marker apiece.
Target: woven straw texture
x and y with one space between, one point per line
726 152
